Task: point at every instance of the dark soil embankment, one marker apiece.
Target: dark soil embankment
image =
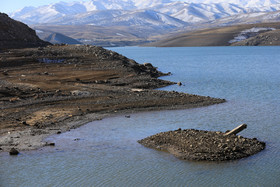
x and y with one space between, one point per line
201 145
14 34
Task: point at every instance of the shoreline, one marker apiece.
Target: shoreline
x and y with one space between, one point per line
46 91
33 139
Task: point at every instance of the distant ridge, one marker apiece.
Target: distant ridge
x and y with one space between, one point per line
14 34
57 38
221 36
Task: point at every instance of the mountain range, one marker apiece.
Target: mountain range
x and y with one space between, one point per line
188 11
151 15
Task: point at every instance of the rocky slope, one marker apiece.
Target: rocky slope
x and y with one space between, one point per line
14 34
271 38
223 36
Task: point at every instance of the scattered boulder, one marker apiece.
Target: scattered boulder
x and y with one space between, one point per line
80 93
25 123
13 151
148 65
5 72
50 144
14 99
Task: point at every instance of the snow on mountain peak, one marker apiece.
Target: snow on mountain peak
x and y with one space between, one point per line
190 11
242 3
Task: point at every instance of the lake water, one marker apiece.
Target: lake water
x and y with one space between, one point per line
106 153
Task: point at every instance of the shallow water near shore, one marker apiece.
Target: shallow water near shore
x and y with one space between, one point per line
106 153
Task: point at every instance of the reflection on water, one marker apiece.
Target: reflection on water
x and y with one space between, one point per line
106 153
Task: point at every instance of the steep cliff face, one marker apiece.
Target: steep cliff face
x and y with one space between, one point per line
14 34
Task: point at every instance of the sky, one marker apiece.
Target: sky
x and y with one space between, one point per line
8 6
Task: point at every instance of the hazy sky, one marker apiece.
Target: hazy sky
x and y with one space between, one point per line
8 6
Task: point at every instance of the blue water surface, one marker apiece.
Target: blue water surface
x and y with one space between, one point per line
107 152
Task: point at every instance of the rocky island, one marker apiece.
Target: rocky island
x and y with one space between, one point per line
200 145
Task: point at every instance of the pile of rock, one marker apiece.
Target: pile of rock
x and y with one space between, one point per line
200 145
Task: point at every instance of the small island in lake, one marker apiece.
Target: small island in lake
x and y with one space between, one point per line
200 145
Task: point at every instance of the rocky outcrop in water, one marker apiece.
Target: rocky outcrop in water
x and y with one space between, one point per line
202 145
13 151
14 34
